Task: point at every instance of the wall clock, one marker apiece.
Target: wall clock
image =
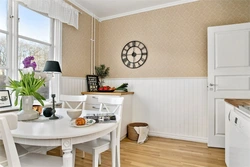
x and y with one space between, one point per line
134 54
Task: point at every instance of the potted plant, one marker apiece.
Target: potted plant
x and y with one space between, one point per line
27 88
102 72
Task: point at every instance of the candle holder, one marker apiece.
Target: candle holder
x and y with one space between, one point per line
53 108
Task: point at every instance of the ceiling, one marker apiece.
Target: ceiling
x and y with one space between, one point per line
109 9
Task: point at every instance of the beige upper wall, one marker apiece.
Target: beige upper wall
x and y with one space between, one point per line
176 38
76 47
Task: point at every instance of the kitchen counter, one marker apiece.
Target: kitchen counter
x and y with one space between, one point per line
238 102
107 93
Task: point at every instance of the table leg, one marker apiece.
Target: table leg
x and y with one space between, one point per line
113 147
67 153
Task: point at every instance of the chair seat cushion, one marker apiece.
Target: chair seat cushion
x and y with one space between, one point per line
94 144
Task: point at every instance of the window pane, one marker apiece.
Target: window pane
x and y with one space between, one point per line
44 91
3 50
3 14
3 77
33 24
39 51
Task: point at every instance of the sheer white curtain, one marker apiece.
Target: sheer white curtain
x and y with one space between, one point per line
57 9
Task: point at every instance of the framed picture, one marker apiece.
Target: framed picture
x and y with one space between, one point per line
5 100
93 83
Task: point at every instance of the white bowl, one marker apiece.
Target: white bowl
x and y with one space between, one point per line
74 113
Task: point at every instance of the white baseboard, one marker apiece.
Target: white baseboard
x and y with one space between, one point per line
179 137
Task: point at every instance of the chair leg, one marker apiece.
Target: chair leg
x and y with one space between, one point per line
99 159
95 159
118 156
61 152
74 156
83 154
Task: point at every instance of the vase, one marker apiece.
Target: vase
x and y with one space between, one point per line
102 83
27 112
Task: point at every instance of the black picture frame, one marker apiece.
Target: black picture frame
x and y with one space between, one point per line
5 100
93 83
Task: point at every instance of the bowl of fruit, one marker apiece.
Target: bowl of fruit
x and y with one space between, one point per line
106 89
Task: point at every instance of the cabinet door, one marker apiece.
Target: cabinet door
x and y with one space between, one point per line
93 104
94 107
228 109
92 99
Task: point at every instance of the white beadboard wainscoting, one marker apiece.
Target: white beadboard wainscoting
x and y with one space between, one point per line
173 107
73 85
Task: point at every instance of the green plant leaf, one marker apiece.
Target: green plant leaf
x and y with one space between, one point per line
28 85
102 71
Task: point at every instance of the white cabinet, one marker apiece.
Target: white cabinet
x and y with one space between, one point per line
238 147
92 104
228 110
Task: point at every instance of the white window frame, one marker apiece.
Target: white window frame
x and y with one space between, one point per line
12 45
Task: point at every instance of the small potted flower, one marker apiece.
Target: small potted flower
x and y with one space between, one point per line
27 88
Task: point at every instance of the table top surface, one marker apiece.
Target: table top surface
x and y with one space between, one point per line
43 128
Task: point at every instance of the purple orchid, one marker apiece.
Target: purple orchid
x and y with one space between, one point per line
27 62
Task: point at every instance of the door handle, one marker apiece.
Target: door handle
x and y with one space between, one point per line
98 108
213 84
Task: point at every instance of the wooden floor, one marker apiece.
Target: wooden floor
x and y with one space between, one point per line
159 152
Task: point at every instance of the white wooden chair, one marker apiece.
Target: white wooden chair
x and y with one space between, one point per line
8 121
96 147
67 101
72 102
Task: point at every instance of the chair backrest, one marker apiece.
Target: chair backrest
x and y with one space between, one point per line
8 121
112 105
68 101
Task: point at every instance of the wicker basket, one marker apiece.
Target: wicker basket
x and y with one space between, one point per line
132 135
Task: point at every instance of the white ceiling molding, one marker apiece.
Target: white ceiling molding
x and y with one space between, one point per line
147 9
122 14
84 9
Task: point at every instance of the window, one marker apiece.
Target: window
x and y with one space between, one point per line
34 39
28 34
3 43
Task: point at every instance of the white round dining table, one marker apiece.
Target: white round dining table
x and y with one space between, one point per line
60 132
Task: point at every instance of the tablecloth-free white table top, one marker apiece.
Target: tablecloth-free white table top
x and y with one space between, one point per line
44 132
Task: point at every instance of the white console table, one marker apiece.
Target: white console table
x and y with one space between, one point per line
92 104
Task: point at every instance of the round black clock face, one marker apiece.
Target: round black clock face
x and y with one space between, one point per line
134 54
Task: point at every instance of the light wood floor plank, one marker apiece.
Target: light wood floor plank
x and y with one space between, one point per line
159 152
